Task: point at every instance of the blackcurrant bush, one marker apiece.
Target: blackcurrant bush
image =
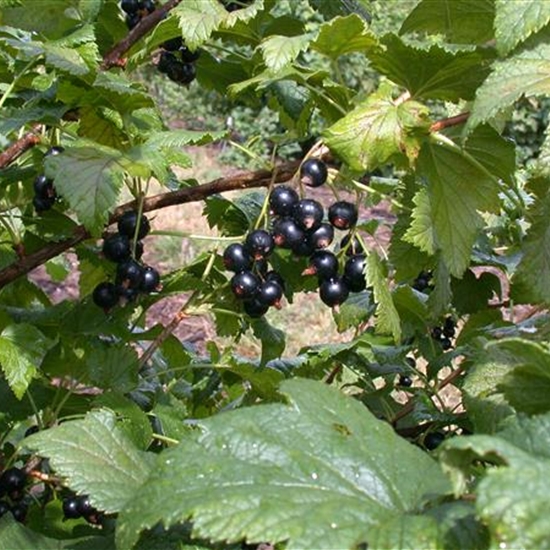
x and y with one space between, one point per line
313 172
286 233
4 507
70 508
333 292
405 381
308 213
259 244
43 187
354 273
322 263
117 248
12 480
187 55
270 293
173 44
433 440
274 276
54 151
236 258
19 512
321 237
282 200
129 274
128 222
352 247
105 295
41 205
245 284
151 280
255 308
130 6
343 215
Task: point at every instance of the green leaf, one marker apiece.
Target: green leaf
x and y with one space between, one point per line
330 9
473 293
243 476
96 458
343 35
511 495
378 131
517 21
273 340
430 73
90 179
525 74
387 318
113 366
280 51
458 188
22 348
461 21
421 230
181 138
357 309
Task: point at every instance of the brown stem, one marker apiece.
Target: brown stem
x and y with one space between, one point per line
16 149
448 122
114 57
244 180
333 374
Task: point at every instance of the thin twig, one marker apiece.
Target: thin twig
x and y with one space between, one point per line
16 149
448 122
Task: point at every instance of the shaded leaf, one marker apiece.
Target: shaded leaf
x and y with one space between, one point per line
279 51
273 340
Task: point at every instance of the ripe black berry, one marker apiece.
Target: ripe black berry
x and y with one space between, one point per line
129 274
182 73
188 55
437 333
287 234
130 6
322 263
313 172
84 506
343 215
422 282
433 440
255 308
354 273
308 214
245 284
147 6
19 512
352 248
270 293
236 258
127 225
274 276
117 248
166 60
54 151
12 480
405 381
43 187
151 280
321 237
446 343
449 327
70 508
132 19
259 244
303 248
333 292
173 44
105 295
41 205
282 200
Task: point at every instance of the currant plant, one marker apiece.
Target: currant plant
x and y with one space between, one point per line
409 214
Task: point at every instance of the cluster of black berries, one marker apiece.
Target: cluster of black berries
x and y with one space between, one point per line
135 10
422 282
298 226
44 191
177 61
12 485
75 507
132 277
445 333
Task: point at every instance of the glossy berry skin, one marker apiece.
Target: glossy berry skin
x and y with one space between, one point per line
405 381
321 237
70 508
254 308
282 200
287 234
333 292
12 480
446 343
270 293
259 244
313 172
324 264
173 44
54 151
245 285
182 73
117 248
303 248
129 6
105 295
437 333
352 248
343 215
274 276
187 55
41 205
354 273
147 6
19 512
132 19
129 274
127 225
433 440
166 60
449 327
308 214
151 280
236 258
43 187
84 507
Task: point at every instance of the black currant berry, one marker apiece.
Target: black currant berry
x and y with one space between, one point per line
139 250
255 308
313 172
270 293
4 507
324 264
54 151
84 506
187 55
437 333
245 284
354 273
19 512
321 237
422 282
70 508
105 295
405 381
117 248
433 440
308 214
287 234
129 6
259 244
449 327
182 73
43 187
126 294
147 6
333 292
12 480
132 19
343 215
303 248
41 205
236 258
129 274
352 248
151 280
446 343
282 200
173 44
274 276
166 61
127 225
